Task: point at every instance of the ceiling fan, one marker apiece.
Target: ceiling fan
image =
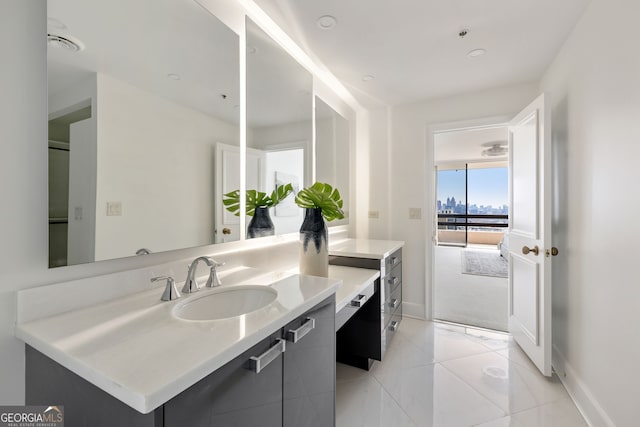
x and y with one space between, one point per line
495 148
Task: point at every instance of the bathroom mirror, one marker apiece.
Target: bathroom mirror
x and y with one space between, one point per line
332 152
141 106
279 125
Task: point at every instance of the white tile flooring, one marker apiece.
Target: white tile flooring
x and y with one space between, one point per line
443 375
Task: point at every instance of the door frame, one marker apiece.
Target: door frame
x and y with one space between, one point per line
429 205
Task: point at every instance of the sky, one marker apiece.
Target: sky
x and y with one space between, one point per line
486 186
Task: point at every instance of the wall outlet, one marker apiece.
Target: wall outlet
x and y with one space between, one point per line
415 213
374 214
114 208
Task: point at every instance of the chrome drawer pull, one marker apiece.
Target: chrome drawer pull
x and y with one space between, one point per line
257 364
394 260
359 301
393 303
393 326
295 335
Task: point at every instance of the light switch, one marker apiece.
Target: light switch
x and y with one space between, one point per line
77 213
114 208
374 214
415 213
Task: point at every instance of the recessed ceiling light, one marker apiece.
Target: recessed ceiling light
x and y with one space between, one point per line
476 52
367 78
174 76
326 22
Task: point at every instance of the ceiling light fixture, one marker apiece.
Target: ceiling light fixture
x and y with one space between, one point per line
476 52
367 78
326 22
496 148
174 76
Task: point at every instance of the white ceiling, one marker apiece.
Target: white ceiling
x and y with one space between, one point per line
413 49
463 146
143 41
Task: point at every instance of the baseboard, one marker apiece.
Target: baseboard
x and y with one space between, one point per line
410 309
591 411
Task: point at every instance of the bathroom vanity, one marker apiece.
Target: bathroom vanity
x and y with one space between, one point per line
366 327
130 361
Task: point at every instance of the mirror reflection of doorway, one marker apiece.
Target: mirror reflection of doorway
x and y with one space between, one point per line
472 214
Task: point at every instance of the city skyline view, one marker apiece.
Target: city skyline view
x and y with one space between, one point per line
487 187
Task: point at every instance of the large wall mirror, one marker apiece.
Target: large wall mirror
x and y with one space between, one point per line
279 125
332 152
141 107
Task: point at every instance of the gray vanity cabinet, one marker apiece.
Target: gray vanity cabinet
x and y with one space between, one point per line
367 334
288 379
234 395
309 368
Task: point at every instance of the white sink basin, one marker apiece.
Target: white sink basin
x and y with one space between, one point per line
225 302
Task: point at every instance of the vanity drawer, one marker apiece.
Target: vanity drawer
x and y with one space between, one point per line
354 305
393 260
392 305
392 282
390 330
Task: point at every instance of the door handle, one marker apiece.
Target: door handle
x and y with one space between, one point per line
295 335
552 252
258 363
535 250
226 230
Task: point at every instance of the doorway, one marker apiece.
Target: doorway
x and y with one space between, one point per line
471 217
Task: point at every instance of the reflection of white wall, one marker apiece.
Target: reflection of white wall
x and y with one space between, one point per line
156 158
332 156
297 133
289 162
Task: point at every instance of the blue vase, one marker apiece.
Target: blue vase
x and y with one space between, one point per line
260 224
314 251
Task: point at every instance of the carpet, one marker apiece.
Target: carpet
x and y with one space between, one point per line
484 263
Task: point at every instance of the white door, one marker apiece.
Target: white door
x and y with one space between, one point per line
530 232
228 179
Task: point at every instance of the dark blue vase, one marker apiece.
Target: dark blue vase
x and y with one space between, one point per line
314 252
260 224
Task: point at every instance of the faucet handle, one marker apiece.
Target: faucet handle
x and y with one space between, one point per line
170 291
213 279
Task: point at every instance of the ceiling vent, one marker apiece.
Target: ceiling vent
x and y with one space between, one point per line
66 43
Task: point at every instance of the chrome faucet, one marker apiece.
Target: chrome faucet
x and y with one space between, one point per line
143 251
170 291
191 284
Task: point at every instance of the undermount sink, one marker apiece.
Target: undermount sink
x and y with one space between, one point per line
225 302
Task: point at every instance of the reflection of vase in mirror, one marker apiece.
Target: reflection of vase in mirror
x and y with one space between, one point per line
260 224
314 251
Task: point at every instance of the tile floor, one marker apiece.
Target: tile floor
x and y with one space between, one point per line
443 375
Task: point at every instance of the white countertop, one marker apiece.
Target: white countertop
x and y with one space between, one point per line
365 248
135 350
354 280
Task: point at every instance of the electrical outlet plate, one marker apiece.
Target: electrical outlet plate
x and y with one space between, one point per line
374 214
114 208
415 213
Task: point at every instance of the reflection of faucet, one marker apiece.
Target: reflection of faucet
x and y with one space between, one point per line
191 284
143 251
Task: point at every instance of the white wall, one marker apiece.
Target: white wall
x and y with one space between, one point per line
23 135
156 157
595 83
411 177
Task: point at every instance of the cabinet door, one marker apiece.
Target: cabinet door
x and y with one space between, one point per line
234 395
309 368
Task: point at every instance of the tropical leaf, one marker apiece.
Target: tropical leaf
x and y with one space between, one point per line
255 199
324 196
